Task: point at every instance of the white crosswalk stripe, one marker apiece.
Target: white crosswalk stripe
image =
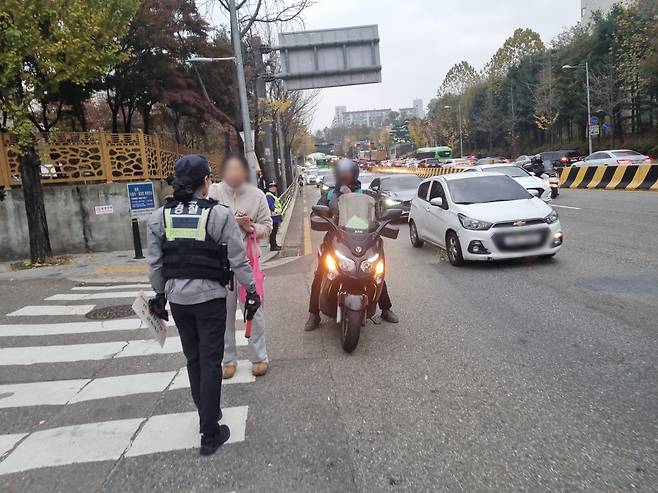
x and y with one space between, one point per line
104 440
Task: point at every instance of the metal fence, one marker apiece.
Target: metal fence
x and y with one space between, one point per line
95 157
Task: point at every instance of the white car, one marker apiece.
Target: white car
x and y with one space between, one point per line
615 157
522 177
483 216
321 173
309 175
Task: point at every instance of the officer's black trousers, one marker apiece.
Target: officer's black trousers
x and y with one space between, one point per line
201 328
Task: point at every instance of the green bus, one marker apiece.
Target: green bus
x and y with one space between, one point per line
440 153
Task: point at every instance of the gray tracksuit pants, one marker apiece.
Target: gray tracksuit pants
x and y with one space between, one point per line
257 347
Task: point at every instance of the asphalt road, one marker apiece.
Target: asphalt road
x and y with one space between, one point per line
526 376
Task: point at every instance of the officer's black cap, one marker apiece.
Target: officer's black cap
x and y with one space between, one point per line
195 167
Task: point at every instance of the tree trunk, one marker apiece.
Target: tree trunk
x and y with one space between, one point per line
35 210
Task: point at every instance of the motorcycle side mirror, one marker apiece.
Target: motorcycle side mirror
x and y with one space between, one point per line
389 232
320 224
322 211
392 215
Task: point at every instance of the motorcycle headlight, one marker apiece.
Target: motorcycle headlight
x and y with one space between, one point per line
392 202
345 264
474 224
368 265
551 218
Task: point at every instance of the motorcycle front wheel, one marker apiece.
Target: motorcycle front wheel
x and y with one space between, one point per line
350 330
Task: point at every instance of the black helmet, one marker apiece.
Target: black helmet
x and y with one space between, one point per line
343 168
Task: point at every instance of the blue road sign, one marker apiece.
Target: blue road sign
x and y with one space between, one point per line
142 198
595 120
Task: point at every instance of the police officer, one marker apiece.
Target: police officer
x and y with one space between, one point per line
193 244
276 211
347 181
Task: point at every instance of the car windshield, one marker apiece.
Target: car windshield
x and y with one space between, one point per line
397 183
356 211
513 171
483 189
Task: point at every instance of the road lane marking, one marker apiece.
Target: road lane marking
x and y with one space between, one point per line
31 355
97 296
51 310
116 286
63 392
19 330
169 432
565 207
7 442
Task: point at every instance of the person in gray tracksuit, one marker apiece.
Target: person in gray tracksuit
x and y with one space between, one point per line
193 245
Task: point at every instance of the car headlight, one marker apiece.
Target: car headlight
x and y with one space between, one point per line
368 265
392 202
474 224
345 264
551 218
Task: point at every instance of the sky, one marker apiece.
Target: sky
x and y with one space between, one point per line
421 39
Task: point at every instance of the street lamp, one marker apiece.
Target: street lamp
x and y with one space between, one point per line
589 106
461 133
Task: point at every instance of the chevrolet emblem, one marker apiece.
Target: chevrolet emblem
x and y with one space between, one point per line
520 222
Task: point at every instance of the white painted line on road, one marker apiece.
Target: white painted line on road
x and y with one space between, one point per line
181 431
242 375
565 207
31 355
108 440
19 330
62 392
7 442
89 442
51 310
117 286
110 295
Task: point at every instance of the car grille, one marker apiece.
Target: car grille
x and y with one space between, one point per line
519 223
499 240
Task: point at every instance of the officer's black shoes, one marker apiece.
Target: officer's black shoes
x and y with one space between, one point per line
312 323
210 443
389 316
275 248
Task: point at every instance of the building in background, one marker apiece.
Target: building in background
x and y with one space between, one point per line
375 118
588 7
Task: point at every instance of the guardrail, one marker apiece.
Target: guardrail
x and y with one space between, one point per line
95 157
286 196
622 177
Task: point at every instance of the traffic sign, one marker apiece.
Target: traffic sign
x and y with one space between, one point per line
142 198
594 130
595 120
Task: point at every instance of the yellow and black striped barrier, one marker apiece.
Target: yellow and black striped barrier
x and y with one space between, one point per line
622 177
422 172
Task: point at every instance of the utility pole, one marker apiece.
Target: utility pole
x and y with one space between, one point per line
261 92
249 149
282 150
589 109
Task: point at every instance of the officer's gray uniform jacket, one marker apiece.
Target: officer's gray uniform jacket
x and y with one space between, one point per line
222 228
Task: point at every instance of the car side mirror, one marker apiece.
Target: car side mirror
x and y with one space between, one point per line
322 211
533 192
374 188
392 215
437 202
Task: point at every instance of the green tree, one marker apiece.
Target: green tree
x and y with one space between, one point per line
44 45
460 77
523 43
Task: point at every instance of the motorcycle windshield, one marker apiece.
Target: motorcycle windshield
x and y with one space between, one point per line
356 211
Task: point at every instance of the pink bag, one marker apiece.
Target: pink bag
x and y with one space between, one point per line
259 275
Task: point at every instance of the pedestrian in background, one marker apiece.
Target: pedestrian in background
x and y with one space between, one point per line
249 206
260 181
276 211
193 244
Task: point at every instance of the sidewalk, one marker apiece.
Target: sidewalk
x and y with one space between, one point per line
118 266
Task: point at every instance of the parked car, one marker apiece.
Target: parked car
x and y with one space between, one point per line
527 180
614 158
483 216
562 158
394 192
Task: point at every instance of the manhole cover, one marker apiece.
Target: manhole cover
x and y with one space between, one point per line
111 312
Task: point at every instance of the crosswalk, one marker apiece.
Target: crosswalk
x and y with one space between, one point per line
117 354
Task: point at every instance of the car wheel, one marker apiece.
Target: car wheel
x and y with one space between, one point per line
413 236
454 249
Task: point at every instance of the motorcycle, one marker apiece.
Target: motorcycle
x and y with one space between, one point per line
545 171
354 262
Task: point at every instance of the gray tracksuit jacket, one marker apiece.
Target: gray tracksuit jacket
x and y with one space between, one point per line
222 228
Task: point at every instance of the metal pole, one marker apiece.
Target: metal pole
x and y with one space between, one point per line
261 92
137 241
589 109
249 150
282 150
461 134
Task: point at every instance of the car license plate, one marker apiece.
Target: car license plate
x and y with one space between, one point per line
522 240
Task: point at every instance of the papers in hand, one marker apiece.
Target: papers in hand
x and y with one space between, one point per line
156 326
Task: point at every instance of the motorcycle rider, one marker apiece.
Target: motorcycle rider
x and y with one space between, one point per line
347 181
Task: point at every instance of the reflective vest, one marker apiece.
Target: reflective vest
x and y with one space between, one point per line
278 208
188 251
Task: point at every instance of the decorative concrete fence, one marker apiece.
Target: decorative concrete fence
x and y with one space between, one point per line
95 157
